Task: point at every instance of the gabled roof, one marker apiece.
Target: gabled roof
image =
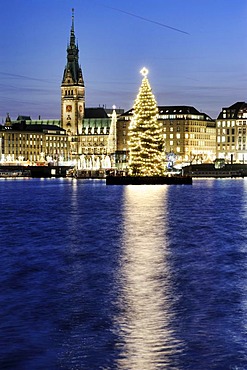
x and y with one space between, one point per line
178 109
237 105
23 118
128 113
234 111
95 113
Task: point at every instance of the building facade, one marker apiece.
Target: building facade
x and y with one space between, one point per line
22 141
190 135
231 126
96 145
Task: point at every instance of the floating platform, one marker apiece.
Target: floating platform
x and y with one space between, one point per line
209 170
148 180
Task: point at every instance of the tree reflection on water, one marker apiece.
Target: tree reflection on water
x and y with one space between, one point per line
145 301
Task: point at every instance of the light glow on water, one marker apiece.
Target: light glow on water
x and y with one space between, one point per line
146 293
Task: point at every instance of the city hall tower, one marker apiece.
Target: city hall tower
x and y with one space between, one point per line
72 89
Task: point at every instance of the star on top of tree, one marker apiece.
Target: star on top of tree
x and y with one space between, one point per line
144 71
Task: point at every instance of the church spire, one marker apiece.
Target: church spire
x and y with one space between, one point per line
73 69
72 32
72 88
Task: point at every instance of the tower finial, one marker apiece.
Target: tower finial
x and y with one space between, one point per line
72 31
73 17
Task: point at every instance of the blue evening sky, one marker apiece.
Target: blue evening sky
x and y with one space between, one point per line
204 66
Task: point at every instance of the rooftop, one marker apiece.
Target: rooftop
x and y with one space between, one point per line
235 111
95 113
176 110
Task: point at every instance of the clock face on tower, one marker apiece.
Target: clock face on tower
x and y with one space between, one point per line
68 108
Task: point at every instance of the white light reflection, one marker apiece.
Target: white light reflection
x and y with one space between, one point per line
74 220
244 261
146 336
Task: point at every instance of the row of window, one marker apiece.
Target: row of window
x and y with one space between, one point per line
231 123
95 139
241 147
93 144
69 92
95 130
179 116
242 139
34 138
228 147
171 136
29 153
226 131
224 139
94 150
27 145
233 147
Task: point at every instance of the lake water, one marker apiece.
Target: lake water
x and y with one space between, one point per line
123 277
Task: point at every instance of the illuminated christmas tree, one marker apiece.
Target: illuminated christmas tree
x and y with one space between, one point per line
146 140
